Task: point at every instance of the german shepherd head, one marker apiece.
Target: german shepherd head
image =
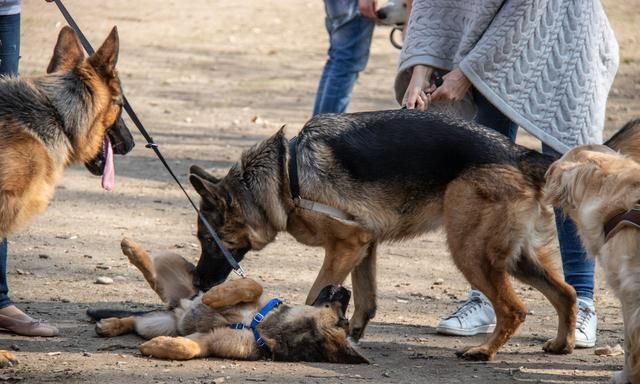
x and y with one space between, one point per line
316 333
100 79
232 209
68 116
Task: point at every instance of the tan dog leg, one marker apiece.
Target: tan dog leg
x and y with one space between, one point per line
171 348
510 312
221 342
141 259
363 278
232 292
168 274
114 326
631 371
542 276
341 257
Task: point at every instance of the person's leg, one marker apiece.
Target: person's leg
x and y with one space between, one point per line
476 315
349 42
9 44
11 317
579 272
491 117
4 289
9 58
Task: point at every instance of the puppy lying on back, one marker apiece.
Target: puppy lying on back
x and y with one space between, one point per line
593 184
231 320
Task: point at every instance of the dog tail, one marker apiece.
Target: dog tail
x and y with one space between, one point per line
534 165
627 140
99 314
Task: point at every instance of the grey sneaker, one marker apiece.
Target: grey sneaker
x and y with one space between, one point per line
474 316
586 324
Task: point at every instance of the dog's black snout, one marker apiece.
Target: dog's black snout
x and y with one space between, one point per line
381 13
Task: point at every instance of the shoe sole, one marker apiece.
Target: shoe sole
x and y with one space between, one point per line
585 344
466 332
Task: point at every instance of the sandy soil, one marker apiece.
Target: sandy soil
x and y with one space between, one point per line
209 79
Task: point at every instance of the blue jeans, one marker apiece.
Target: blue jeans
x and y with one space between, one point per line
578 268
9 57
349 42
9 44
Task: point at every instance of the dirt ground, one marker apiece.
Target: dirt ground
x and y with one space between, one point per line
209 79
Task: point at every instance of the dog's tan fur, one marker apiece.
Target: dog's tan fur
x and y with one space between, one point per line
30 165
592 183
199 327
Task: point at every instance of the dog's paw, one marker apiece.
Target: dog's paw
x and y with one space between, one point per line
170 348
109 327
356 334
7 359
558 347
476 354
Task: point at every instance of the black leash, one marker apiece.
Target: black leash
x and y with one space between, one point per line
151 144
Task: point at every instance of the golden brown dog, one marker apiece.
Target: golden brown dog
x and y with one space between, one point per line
198 324
593 183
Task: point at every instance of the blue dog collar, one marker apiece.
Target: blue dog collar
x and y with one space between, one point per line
257 319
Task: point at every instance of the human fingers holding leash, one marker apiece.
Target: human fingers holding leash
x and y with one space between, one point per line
418 93
454 86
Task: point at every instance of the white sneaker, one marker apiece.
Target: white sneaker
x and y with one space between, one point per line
586 324
474 316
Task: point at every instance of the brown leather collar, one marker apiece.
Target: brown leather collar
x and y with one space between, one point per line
622 219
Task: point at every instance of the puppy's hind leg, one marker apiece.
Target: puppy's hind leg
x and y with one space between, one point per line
221 342
168 274
141 260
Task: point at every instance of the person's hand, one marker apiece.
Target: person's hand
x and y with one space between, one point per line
417 95
368 9
454 86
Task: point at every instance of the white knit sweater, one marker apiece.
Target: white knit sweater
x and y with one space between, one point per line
546 64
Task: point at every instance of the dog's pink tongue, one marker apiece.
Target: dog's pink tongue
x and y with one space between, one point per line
109 174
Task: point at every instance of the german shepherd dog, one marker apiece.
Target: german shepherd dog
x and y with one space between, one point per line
398 174
69 116
197 324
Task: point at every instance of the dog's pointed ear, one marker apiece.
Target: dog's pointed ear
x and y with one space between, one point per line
196 170
67 53
347 353
106 57
204 187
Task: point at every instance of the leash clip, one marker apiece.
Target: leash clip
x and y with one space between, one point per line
240 272
151 145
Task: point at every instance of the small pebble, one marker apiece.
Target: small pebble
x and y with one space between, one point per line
43 256
218 380
439 281
104 280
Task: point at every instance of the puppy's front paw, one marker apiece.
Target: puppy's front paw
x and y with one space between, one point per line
7 359
170 348
110 327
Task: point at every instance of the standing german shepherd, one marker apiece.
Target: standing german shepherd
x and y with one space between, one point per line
197 324
397 174
68 116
